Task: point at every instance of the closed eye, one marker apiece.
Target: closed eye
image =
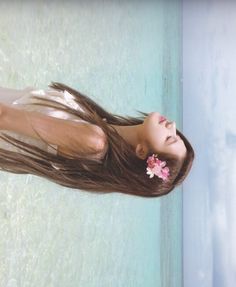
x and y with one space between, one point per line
168 138
170 142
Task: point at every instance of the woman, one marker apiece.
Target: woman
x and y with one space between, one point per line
87 147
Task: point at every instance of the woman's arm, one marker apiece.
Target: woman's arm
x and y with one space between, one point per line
70 136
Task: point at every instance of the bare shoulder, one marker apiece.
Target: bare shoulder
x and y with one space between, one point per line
87 140
99 142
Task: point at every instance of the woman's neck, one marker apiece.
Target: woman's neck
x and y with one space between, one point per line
131 134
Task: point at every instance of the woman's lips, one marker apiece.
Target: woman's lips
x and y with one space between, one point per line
162 119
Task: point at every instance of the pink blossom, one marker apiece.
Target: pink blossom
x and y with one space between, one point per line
157 167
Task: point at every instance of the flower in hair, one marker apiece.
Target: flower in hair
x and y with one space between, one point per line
157 167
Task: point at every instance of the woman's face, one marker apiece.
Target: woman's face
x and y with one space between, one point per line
160 134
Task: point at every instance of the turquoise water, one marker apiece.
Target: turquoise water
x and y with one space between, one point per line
125 55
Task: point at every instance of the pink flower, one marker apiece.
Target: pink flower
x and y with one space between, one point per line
157 167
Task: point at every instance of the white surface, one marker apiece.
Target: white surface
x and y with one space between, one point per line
209 87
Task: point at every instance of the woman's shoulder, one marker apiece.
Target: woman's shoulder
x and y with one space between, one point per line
26 102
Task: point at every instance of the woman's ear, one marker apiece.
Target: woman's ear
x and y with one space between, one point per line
141 151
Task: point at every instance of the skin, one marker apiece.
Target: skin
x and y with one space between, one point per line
153 133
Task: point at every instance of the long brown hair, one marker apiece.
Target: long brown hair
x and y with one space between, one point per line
119 171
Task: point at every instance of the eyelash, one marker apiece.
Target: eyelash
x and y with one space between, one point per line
168 138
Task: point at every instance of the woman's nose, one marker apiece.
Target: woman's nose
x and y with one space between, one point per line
172 125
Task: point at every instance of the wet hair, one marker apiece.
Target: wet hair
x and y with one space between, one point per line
120 170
